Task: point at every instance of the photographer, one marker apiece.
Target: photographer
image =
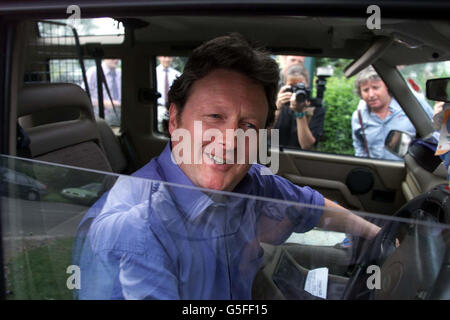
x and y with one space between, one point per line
376 115
300 123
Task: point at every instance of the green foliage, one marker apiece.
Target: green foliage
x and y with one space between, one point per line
339 102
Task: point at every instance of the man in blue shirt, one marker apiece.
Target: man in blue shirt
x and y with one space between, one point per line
175 230
376 115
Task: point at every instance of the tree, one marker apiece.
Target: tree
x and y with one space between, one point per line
339 102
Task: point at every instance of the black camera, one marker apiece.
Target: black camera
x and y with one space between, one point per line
302 93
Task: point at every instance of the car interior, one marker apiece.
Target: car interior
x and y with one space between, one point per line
329 173
57 116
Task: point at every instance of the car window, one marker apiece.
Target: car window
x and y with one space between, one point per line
417 75
39 221
332 103
60 245
112 89
9 175
21 179
54 57
332 92
94 187
332 115
69 71
103 30
340 117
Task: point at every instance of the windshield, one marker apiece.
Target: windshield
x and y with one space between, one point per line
145 239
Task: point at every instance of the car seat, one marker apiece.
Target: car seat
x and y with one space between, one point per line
60 124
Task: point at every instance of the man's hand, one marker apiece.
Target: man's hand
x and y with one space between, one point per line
283 96
296 106
438 106
337 218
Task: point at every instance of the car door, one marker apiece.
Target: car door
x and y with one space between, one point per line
355 183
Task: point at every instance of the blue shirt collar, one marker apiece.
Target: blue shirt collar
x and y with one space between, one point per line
173 174
394 106
191 199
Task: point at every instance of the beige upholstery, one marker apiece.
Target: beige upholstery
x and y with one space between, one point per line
71 140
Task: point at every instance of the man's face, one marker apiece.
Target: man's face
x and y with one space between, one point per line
165 61
221 100
375 94
290 60
111 63
291 81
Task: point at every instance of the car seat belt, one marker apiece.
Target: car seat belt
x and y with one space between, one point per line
129 152
103 79
366 146
101 110
22 143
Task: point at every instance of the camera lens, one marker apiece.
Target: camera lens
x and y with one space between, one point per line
300 96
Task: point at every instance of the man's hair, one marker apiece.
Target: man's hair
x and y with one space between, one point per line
297 70
231 52
367 74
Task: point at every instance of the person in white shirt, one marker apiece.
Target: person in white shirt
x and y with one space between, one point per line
165 71
113 76
376 115
165 75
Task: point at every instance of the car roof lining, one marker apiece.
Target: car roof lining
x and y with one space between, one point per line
311 36
329 37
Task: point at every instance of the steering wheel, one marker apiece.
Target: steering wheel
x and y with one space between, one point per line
417 268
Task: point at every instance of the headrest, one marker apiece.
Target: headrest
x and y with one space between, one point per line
37 97
53 104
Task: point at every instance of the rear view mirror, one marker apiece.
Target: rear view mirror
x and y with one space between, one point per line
397 142
438 89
